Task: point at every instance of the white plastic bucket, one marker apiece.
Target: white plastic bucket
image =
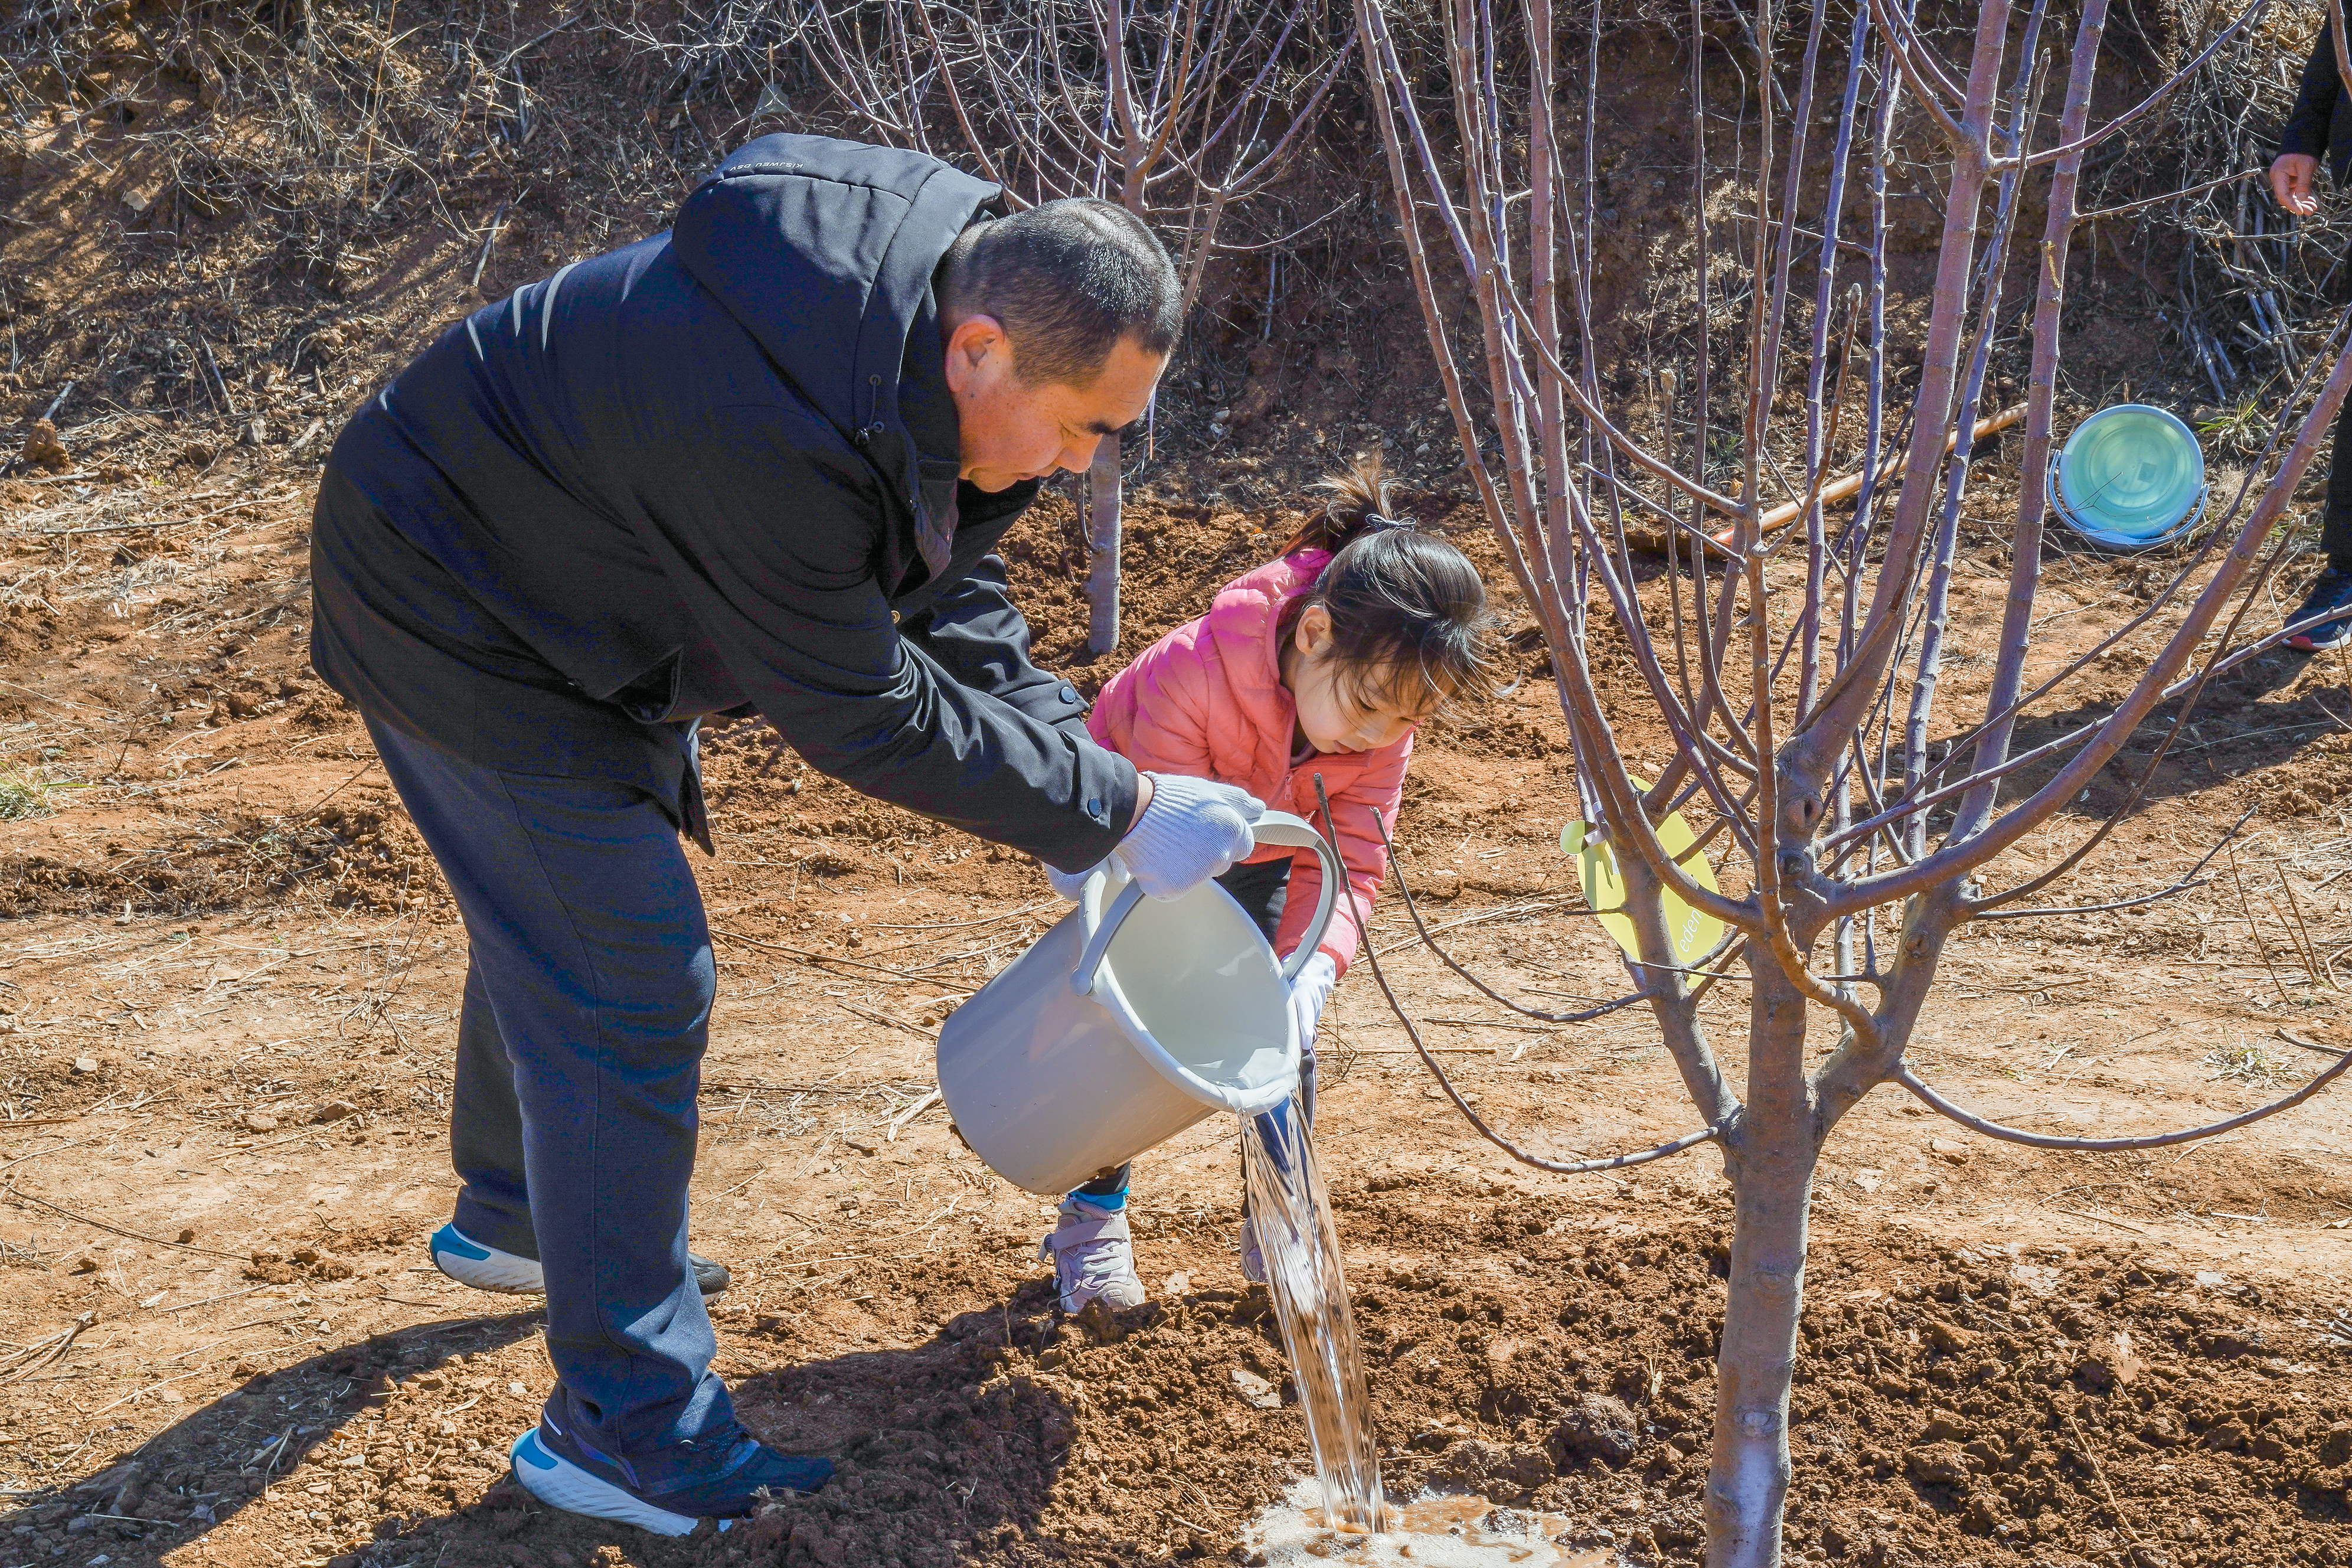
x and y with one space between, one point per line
1126 1024
2130 477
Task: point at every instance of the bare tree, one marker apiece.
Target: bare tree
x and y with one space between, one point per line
1795 665
1177 109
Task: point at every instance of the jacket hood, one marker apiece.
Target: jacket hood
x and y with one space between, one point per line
802 236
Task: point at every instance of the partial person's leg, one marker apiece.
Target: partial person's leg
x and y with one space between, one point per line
589 940
1107 1190
1261 888
2335 533
488 1243
486 1131
2327 606
1092 1246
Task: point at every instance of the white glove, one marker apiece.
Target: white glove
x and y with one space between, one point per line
1308 992
1192 830
1070 884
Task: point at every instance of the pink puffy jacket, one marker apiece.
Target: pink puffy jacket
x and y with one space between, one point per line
1207 701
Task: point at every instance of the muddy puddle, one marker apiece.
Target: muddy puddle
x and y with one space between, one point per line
1435 1530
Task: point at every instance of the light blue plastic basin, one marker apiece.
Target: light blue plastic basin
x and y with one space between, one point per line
2130 477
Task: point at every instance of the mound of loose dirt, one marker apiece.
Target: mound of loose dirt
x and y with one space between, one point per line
2050 1406
1953 1405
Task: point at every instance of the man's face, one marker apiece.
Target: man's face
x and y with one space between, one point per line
1012 432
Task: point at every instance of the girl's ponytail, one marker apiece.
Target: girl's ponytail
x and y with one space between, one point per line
1409 616
1359 504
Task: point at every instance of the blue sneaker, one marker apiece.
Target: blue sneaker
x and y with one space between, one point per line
468 1262
2331 595
563 1472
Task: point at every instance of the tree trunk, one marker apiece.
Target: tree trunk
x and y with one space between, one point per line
1102 543
1770 1162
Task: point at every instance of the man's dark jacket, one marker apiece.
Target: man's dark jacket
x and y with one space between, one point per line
714 467
2321 124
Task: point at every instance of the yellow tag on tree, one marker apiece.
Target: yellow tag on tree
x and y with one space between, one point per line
1693 932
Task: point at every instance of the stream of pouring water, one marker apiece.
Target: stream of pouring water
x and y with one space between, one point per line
1292 1218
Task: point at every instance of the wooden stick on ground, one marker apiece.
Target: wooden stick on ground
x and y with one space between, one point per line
2083 1445
13 1193
908 1115
1845 487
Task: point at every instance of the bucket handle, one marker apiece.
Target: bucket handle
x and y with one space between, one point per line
1273 828
1281 827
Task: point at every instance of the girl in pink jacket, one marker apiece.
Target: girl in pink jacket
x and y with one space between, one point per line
1321 662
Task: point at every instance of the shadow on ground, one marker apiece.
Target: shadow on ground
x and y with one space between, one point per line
940 1455
240 1449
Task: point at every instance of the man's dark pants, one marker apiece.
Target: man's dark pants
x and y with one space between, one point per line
579 1050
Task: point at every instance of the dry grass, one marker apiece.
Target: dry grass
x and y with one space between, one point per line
26 794
2248 1061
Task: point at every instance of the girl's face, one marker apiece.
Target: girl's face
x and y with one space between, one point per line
1332 714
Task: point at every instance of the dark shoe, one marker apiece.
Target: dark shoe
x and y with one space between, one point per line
563 1472
468 1262
2331 597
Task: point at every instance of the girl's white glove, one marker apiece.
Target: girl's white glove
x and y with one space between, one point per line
1070 884
1192 830
1308 992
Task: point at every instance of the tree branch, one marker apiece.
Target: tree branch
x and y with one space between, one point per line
1975 1123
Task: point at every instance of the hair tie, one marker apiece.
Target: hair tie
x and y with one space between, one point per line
1373 522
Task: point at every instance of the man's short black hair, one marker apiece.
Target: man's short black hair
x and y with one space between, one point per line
1068 280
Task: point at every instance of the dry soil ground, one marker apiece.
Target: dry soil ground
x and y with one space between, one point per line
228 988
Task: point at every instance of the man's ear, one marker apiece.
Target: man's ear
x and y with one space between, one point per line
973 344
